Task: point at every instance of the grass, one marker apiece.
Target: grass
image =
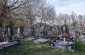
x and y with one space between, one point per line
29 48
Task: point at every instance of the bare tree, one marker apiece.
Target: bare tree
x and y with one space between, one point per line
51 15
7 6
31 12
73 17
80 17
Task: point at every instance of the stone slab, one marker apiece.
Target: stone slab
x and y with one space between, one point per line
41 40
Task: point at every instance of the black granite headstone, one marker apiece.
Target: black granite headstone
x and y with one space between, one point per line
64 29
9 30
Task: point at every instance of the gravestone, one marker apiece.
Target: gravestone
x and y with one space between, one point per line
10 32
27 31
40 41
22 30
30 38
65 32
68 42
33 31
64 28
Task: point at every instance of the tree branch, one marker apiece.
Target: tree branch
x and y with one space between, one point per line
13 4
20 5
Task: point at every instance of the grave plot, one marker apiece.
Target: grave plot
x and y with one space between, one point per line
8 40
6 45
18 36
30 38
63 45
40 41
67 41
2 43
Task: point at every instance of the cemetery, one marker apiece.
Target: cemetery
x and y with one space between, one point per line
63 43
33 27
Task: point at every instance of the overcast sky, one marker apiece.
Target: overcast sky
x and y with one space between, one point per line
68 6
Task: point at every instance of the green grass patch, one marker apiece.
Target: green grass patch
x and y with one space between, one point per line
30 48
